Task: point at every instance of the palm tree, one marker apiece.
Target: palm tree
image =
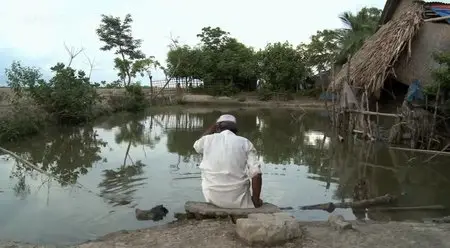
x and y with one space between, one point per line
357 28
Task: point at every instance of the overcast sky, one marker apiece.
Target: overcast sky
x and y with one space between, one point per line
34 31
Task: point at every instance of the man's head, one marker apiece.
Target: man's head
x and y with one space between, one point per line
226 122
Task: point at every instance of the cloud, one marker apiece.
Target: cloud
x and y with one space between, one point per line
37 30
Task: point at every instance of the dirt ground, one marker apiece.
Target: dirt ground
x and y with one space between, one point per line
218 234
215 234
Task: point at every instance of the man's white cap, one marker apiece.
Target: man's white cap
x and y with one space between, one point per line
227 117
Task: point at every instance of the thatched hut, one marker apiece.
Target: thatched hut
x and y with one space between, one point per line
401 49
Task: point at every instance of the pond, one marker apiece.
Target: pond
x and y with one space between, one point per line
302 165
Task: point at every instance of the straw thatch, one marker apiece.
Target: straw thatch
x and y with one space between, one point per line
375 61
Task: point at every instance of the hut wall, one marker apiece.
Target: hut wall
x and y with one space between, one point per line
432 37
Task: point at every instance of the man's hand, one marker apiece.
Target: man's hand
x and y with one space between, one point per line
257 202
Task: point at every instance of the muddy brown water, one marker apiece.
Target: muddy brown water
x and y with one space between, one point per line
302 165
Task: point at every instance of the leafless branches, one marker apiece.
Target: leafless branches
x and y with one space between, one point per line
91 63
73 52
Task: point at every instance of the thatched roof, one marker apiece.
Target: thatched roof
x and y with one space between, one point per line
374 62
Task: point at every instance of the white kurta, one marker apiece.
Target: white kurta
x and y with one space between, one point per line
229 162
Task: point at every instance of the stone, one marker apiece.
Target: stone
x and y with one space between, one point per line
208 210
268 229
339 223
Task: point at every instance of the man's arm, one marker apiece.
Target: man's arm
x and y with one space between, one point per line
198 145
256 189
254 172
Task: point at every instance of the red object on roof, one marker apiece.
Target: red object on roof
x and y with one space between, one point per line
440 6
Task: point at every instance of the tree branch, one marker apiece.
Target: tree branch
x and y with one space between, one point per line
72 53
91 63
173 45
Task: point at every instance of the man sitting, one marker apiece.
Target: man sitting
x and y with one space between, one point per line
229 162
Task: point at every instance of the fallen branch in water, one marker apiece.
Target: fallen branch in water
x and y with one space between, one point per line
413 208
34 167
330 207
25 162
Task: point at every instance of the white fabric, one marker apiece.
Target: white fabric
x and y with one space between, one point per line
227 117
229 162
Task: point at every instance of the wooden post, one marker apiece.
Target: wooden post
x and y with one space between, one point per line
332 97
433 125
378 120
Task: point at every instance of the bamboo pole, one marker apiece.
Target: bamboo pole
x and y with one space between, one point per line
379 166
437 19
433 125
378 120
374 113
445 148
413 208
420 150
330 207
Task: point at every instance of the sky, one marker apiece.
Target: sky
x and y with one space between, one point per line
34 32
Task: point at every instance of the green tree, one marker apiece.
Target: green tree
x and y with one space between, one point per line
323 49
328 47
214 38
441 81
220 61
283 67
117 36
441 75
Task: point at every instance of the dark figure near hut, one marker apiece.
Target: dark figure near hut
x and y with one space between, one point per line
231 170
156 214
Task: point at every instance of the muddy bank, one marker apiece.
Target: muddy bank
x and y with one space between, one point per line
211 233
252 101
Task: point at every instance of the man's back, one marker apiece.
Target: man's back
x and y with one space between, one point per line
229 161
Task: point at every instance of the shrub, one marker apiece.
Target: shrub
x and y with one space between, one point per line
264 94
22 120
68 95
132 100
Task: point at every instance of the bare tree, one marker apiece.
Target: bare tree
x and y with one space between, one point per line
91 63
173 45
73 52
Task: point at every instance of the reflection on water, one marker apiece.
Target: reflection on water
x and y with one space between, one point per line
144 160
119 184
